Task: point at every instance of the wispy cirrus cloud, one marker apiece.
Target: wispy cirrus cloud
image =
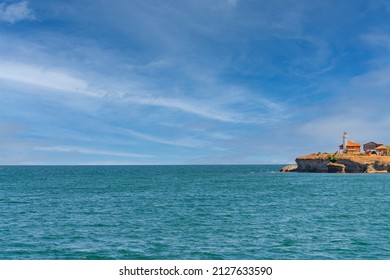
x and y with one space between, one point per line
43 77
376 80
378 39
16 12
192 107
218 102
206 107
182 142
83 150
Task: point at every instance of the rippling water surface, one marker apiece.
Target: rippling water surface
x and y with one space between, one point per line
191 212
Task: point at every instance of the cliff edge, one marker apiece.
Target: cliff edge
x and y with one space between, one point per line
342 163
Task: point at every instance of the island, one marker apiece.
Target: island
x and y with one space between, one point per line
349 159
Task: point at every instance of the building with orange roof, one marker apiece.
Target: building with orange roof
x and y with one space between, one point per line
349 147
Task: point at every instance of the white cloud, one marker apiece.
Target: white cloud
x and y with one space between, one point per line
377 39
186 142
43 77
329 129
185 106
212 108
223 107
377 81
13 13
82 150
150 66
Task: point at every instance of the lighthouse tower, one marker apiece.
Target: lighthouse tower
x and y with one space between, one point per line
345 141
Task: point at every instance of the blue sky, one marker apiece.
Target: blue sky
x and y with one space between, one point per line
190 82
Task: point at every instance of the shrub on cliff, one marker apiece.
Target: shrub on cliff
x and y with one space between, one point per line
333 158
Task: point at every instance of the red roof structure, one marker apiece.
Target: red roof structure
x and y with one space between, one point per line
352 144
352 148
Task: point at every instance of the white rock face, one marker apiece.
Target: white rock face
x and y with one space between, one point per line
289 168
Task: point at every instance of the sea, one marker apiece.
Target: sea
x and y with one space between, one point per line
202 212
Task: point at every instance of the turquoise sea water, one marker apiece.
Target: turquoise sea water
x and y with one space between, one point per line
191 212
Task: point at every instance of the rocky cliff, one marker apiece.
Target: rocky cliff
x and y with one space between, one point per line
341 163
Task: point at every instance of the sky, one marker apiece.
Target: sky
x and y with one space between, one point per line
190 82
